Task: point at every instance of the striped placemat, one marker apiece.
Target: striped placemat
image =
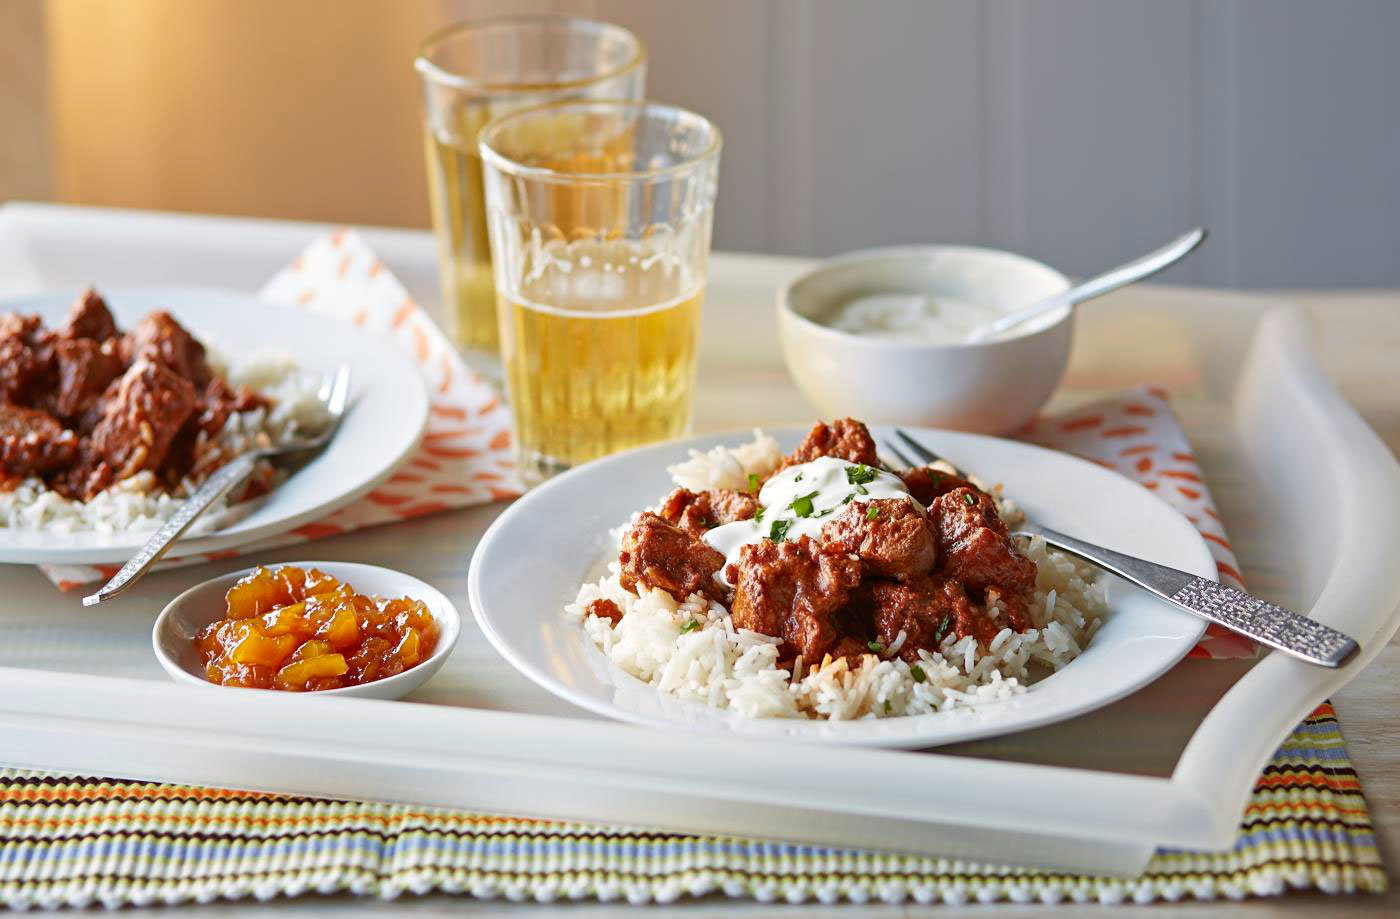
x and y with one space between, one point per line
77 841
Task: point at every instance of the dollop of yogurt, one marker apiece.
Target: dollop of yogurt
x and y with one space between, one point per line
913 317
798 500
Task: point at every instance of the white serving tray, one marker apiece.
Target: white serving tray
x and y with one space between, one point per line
1310 496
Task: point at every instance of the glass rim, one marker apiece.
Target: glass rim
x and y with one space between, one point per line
504 163
430 70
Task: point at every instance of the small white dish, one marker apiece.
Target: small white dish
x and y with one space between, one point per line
985 387
387 415
176 627
530 563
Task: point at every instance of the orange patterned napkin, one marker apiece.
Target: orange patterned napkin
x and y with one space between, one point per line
465 456
1136 433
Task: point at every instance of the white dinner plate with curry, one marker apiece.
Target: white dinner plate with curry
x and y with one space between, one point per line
384 423
530 564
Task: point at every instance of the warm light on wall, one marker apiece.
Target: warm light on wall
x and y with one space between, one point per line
304 110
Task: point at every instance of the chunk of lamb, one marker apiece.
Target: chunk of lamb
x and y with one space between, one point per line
89 476
844 438
89 318
33 443
26 359
696 512
604 608
895 542
1015 612
926 609
141 417
85 369
853 649
217 401
793 591
974 546
161 340
659 555
926 483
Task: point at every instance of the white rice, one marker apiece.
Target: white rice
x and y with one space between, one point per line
137 504
728 467
715 664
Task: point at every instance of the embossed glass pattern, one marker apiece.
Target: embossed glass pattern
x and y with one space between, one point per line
599 216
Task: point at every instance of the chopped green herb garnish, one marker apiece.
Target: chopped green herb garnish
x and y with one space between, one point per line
849 498
778 530
889 709
875 646
797 478
861 490
753 482
917 673
689 626
943 628
860 474
970 499
872 513
758 514
802 506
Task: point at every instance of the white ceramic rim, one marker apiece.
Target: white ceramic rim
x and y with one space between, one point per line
904 253
443 609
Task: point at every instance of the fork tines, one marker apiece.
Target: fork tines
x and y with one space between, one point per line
924 454
904 461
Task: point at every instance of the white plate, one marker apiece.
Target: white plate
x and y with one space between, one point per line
388 411
530 562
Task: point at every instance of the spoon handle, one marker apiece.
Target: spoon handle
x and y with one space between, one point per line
1100 284
1236 610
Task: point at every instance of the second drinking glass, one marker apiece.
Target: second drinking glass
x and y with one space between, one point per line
472 73
599 215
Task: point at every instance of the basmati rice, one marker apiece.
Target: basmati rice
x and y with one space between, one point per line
715 664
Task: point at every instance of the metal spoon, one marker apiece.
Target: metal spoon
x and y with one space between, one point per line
334 394
1097 286
1304 638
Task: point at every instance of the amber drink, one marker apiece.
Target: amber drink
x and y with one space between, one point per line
600 248
470 74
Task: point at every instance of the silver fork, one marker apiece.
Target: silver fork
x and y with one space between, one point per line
334 394
1274 626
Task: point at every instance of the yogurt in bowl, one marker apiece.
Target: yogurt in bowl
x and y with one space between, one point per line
882 334
913 317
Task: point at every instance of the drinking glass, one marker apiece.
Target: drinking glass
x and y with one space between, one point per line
471 73
599 215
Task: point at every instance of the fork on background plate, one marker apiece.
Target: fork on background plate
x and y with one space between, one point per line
334 394
1260 620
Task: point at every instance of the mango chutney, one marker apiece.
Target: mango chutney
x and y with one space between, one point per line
301 631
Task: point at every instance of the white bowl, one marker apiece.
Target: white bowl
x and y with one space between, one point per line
175 628
989 387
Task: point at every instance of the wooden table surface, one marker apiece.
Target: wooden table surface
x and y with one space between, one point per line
745 384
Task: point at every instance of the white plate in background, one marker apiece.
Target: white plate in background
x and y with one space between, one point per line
388 412
530 563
